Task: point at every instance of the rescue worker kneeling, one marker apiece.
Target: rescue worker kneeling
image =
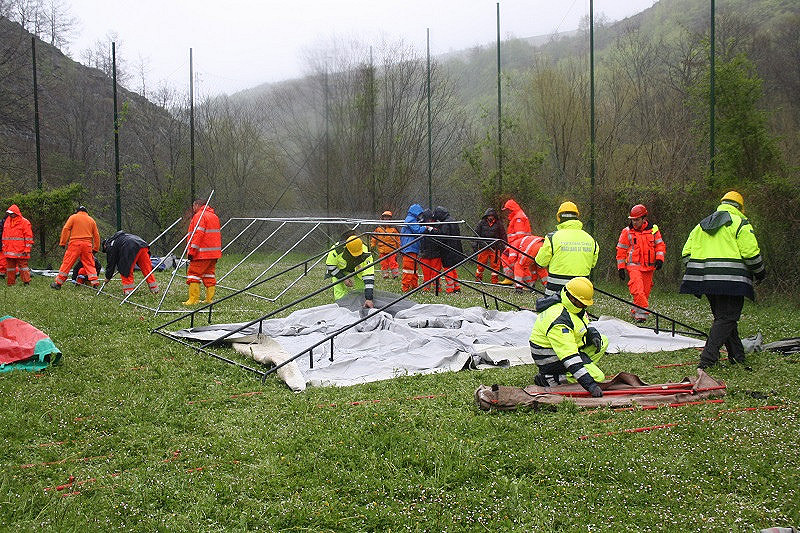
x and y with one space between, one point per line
347 256
563 346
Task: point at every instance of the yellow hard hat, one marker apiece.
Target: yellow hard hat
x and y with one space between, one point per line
355 246
567 210
582 289
733 196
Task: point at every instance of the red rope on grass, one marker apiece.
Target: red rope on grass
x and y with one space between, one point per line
673 424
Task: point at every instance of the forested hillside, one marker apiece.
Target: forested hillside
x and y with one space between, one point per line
351 137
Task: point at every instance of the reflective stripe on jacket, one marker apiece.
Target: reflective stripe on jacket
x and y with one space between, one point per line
557 338
80 227
206 242
340 263
639 249
17 236
721 255
567 252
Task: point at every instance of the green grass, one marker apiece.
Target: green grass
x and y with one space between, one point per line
159 437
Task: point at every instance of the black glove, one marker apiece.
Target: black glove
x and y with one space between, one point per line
621 273
190 257
659 263
760 275
595 391
593 337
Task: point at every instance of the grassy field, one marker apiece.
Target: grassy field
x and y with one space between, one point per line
135 432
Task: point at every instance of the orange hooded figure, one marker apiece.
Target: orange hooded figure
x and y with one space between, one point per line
518 227
205 247
17 244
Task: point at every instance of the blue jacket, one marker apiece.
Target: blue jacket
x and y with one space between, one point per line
413 214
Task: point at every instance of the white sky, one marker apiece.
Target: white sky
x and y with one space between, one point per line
239 43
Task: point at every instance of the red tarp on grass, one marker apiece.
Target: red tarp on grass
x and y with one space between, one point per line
24 347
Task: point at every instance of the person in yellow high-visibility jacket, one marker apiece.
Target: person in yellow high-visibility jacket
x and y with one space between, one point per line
563 345
722 258
348 255
568 252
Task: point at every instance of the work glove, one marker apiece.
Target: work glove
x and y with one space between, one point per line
190 257
621 273
593 337
659 263
760 276
595 390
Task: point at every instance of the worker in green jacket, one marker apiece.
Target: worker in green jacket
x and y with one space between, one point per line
568 252
722 258
563 345
348 255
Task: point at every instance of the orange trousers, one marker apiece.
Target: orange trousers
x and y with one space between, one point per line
488 257
201 270
143 260
78 249
410 279
640 282
389 264
430 269
12 263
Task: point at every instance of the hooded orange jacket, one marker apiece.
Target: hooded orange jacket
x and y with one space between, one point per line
17 235
206 242
518 223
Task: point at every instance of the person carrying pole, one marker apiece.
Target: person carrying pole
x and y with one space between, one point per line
81 239
17 241
408 233
489 227
123 251
568 252
640 252
518 227
387 242
205 248
348 255
722 258
563 345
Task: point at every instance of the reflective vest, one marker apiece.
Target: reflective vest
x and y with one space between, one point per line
557 338
388 240
567 252
17 236
206 242
518 223
340 263
721 255
639 249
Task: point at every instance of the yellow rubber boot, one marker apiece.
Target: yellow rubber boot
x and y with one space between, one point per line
194 294
506 281
210 294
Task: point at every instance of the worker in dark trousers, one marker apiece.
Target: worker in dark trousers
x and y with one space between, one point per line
722 259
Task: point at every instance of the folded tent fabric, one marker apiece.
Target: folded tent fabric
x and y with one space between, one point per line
24 347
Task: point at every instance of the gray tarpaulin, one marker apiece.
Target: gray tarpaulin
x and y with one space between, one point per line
423 339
